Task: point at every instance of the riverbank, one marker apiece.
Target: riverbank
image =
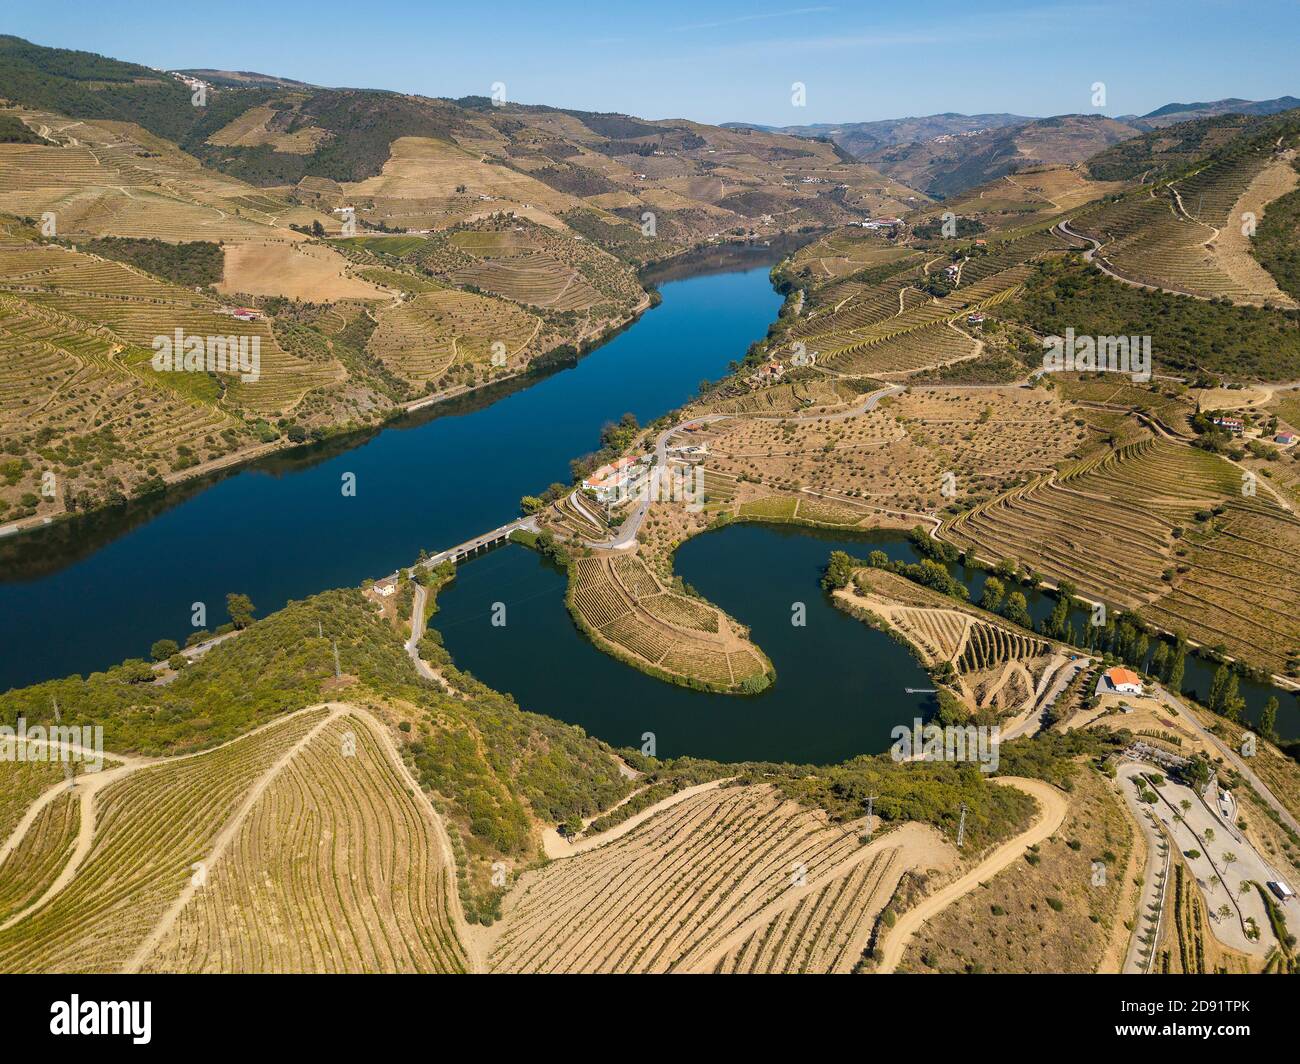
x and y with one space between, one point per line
247 455
281 528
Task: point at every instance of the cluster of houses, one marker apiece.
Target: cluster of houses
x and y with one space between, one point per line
768 373
619 481
881 223
1237 426
242 313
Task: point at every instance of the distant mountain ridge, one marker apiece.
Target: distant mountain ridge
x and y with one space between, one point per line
946 154
1183 112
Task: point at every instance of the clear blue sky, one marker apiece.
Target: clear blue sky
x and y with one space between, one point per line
720 60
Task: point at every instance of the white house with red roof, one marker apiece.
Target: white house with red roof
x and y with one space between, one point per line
1123 681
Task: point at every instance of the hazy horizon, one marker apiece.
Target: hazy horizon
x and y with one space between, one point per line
721 61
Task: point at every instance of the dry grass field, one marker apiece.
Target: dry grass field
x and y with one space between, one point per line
1044 914
294 270
733 877
303 846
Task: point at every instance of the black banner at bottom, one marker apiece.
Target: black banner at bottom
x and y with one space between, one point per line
341 1013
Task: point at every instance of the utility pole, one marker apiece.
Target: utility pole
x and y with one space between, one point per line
66 754
961 826
871 800
338 673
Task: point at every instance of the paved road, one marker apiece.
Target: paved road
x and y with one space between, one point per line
627 532
1231 757
1151 895
1218 879
1033 723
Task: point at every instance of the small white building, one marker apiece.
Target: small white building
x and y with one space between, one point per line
1123 681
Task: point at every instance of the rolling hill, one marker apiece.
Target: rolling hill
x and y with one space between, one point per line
384 242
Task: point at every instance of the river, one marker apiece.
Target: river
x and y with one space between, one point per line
841 686
84 594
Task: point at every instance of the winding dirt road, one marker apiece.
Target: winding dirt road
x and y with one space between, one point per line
1052 812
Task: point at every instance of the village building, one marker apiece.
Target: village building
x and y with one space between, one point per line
767 373
1123 681
618 481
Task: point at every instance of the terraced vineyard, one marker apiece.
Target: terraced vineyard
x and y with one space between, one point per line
182 852
421 339
827 931
1241 587
988 645
1105 390
35 860
344 832
1178 237
1108 525
996 664
135 307
692 883
920 334
620 603
536 279
118 180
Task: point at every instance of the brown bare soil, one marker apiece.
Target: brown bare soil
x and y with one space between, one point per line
313 273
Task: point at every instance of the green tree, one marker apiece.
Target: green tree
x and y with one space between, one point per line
839 570
1177 663
1016 610
1217 687
164 649
1268 720
991 599
1160 660
240 608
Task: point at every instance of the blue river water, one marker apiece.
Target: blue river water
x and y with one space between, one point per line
84 595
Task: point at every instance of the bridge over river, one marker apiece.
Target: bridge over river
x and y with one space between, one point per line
472 546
